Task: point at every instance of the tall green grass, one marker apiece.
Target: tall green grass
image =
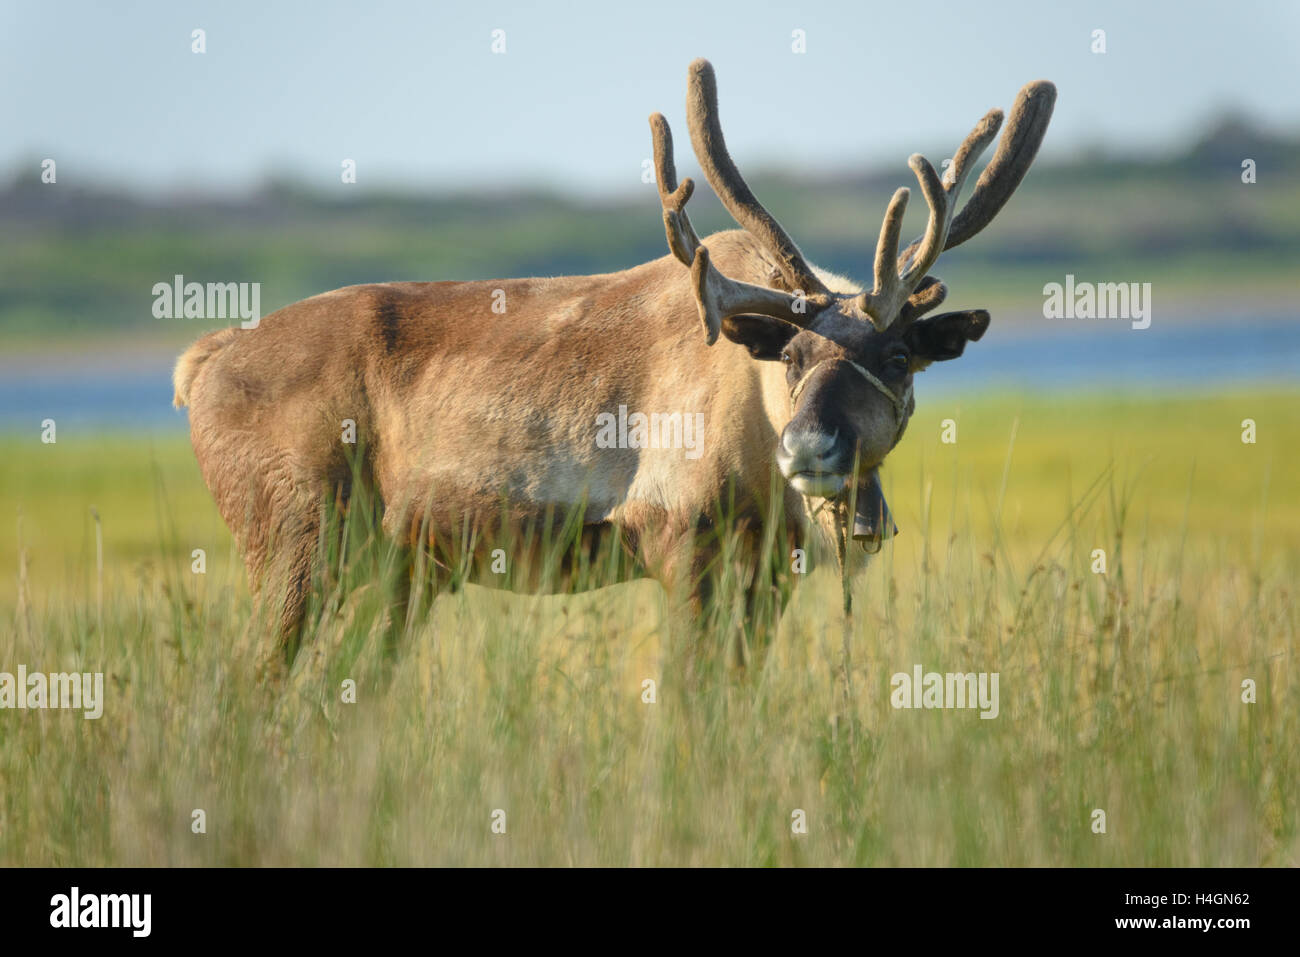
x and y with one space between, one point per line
1119 691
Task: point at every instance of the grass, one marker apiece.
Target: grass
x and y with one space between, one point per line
1118 691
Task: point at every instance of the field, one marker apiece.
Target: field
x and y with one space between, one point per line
1120 691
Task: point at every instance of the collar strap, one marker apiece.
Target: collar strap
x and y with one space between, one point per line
899 402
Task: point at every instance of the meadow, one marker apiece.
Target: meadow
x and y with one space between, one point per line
1121 691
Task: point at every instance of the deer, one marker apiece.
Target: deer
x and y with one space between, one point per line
476 418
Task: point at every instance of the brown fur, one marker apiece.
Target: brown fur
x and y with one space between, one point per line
458 406
460 409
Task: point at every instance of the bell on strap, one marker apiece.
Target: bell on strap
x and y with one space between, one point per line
872 522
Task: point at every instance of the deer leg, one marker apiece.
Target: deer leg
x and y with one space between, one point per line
413 579
274 515
766 597
279 569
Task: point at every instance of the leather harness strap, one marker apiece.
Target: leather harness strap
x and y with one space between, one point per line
840 503
899 402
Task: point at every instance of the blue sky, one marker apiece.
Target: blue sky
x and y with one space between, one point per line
414 94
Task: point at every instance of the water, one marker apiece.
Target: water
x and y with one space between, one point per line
1109 355
1047 356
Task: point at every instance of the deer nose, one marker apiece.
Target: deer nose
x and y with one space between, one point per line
808 443
813 461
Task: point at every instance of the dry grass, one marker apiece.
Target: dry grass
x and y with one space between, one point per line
1119 691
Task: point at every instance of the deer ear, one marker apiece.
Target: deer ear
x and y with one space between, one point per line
944 336
763 336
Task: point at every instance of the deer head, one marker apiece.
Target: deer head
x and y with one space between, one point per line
849 357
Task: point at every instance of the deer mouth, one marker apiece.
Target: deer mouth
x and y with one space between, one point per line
818 484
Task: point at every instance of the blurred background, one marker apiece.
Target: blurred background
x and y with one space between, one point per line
511 139
495 139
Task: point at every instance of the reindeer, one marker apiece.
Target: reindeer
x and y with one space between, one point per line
471 418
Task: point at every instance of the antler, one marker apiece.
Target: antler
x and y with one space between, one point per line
901 291
897 277
716 296
1030 115
896 294
724 177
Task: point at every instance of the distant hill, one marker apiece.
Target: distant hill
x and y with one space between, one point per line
78 261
